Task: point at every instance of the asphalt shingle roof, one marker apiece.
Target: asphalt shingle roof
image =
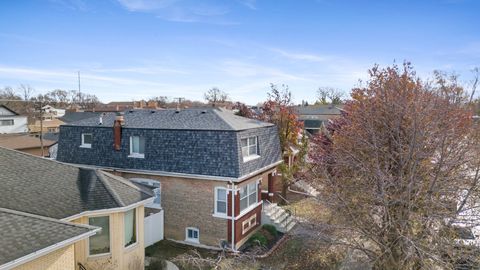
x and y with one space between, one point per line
56 190
318 110
184 119
77 116
23 234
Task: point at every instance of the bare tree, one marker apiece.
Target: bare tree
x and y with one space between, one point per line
26 91
400 170
476 77
214 96
329 95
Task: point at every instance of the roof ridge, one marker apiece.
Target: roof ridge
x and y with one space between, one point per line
26 214
110 190
217 113
123 181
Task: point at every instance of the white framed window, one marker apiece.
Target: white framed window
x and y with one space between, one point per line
220 201
248 224
248 195
249 148
8 122
192 235
130 226
99 244
137 146
87 139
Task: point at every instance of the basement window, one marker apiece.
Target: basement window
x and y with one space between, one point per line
87 139
192 235
137 147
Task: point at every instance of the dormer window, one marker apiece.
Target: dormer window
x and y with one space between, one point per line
137 147
87 139
249 148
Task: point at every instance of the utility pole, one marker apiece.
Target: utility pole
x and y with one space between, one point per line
179 101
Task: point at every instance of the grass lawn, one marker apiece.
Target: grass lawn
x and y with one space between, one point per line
167 250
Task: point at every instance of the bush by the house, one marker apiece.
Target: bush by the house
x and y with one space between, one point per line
258 238
271 229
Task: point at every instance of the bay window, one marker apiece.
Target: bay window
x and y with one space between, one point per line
248 195
99 243
130 227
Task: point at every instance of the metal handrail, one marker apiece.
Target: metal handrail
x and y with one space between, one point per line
287 210
81 267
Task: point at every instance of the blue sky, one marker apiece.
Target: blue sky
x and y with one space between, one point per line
132 49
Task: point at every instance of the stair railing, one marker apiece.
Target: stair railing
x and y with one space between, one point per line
288 211
81 266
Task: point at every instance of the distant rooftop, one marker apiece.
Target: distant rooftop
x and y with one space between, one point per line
23 141
327 109
184 119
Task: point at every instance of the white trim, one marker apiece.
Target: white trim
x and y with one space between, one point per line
109 239
135 154
250 226
216 200
86 145
182 175
47 250
250 158
192 240
247 210
109 210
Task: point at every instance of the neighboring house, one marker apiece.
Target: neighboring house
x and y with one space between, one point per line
197 156
315 117
26 143
55 195
53 111
12 122
50 125
70 117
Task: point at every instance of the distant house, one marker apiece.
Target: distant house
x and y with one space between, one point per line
12 122
197 157
71 117
49 124
314 117
26 143
48 109
56 216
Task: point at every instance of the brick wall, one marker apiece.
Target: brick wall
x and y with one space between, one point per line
189 203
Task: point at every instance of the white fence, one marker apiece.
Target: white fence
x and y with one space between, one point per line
153 228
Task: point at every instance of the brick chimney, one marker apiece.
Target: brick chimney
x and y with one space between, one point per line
117 131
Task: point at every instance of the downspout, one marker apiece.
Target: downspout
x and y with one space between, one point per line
234 249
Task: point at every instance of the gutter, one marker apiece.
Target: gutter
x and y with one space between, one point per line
182 175
52 248
108 210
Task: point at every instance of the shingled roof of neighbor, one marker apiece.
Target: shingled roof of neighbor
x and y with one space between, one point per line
22 234
184 119
48 188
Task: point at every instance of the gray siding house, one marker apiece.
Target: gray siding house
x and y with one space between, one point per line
200 157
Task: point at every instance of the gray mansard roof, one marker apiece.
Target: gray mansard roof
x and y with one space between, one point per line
23 234
184 119
48 188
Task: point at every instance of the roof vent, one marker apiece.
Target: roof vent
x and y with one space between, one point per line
203 112
152 111
177 111
131 111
